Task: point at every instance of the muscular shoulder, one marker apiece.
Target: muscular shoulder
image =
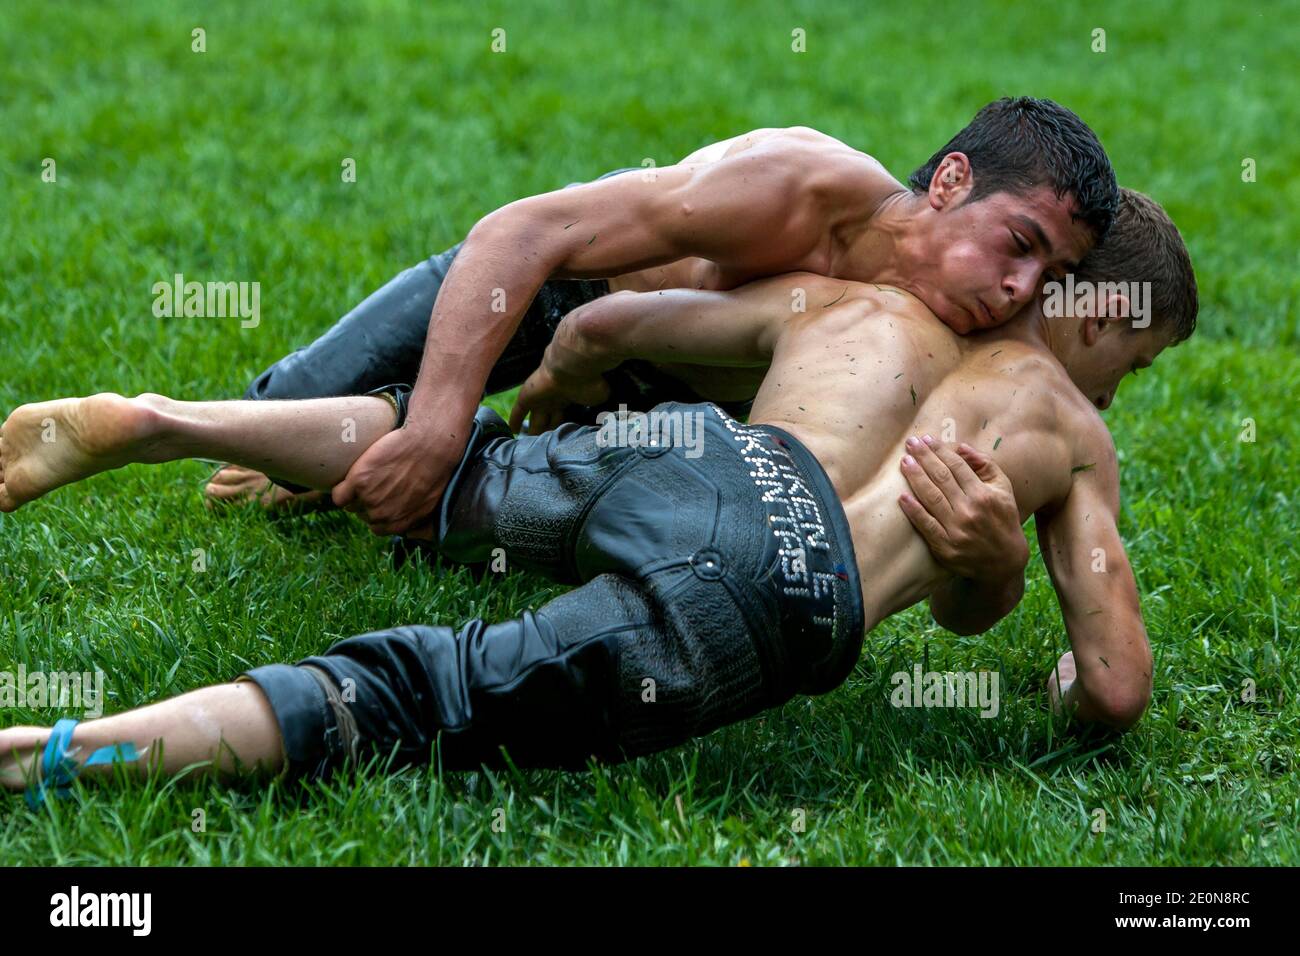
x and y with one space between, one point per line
879 318
819 167
1094 452
816 293
838 176
1089 445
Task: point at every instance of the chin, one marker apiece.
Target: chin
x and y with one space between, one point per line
947 313
957 319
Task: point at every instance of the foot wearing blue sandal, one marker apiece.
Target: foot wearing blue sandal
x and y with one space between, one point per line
58 769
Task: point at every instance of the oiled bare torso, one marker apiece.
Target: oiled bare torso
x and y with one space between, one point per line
854 381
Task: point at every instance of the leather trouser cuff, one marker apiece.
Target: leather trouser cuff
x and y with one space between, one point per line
316 727
399 396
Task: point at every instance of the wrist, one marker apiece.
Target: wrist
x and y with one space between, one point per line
431 409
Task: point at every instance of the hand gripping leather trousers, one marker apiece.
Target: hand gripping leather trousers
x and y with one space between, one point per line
717 579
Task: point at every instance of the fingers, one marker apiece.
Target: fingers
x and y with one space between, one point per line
984 467
394 521
517 417
394 509
545 421
544 418
936 468
344 494
923 483
957 467
924 522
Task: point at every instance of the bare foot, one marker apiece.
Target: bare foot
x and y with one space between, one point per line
49 444
20 747
235 484
1063 675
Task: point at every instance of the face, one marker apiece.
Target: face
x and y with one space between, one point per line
1106 350
984 261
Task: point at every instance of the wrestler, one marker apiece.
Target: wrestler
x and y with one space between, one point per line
1025 189
716 586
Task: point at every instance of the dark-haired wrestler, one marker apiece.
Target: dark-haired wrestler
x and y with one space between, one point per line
717 584
1024 190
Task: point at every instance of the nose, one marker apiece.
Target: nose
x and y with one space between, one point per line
1103 402
1020 284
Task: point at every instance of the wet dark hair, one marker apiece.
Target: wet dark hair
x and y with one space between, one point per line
1144 245
1015 145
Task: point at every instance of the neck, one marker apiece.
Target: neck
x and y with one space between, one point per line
1032 328
886 246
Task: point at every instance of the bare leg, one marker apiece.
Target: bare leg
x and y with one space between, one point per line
218 724
312 442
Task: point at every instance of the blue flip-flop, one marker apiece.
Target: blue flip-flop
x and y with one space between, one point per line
58 769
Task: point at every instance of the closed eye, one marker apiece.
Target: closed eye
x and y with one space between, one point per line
1025 247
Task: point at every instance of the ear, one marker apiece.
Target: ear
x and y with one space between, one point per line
1095 325
952 182
1116 306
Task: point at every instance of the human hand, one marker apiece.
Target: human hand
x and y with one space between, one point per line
397 483
546 396
963 506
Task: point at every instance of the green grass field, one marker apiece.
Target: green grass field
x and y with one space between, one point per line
226 165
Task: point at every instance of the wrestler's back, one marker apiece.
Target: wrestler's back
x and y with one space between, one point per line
872 182
854 381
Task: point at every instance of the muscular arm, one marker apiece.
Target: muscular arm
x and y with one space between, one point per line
679 325
737 328
969 606
1080 543
763 210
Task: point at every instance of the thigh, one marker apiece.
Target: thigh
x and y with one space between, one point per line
377 343
608 671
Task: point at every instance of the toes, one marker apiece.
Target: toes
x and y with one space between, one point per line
7 504
217 489
214 493
305 498
237 475
301 502
238 485
231 475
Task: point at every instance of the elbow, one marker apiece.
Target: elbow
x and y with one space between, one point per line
962 626
502 225
966 617
1123 712
498 224
517 233
596 329
1121 703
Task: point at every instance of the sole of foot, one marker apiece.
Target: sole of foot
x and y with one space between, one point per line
49 444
